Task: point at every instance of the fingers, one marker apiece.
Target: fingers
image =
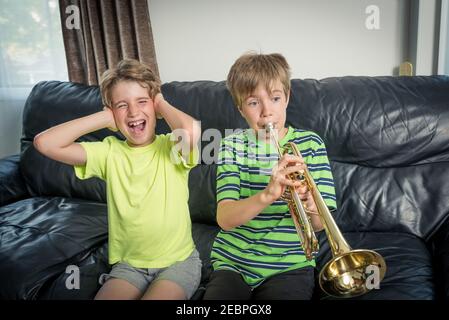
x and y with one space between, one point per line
305 195
302 190
309 203
158 98
283 181
289 160
287 165
298 168
291 169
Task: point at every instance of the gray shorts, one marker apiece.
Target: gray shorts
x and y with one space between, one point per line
185 273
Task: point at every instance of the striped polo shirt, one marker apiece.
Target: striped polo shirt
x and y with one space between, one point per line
268 244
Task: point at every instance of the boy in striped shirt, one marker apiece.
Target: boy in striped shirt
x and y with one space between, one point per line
257 254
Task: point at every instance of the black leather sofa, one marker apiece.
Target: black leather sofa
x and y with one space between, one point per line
387 139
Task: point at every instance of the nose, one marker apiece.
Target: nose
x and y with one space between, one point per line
266 109
132 110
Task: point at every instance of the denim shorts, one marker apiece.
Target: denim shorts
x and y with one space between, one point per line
185 273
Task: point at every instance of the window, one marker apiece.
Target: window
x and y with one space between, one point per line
31 46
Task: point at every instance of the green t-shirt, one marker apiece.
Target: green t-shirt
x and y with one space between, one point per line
147 197
268 244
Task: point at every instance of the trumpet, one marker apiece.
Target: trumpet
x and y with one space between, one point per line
346 274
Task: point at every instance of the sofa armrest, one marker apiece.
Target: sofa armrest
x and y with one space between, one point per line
440 249
12 185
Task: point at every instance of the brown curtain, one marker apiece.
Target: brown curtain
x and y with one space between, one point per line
109 31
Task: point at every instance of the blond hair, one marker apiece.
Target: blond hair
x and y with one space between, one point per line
253 69
128 70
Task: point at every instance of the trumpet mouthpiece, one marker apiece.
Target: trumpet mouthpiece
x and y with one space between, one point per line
269 126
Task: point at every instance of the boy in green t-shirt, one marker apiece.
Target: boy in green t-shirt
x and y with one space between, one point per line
257 254
150 241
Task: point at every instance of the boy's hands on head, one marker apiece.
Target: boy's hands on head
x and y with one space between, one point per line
110 119
157 101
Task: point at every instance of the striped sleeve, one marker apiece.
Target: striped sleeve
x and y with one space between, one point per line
320 170
228 173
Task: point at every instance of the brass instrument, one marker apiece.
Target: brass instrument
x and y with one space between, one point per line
345 275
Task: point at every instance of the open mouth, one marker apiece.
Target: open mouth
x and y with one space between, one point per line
137 126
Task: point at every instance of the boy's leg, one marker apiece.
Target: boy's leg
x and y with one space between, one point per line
295 284
177 282
227 285
123 282
165 290
118 289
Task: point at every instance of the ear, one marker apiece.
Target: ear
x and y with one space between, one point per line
239 108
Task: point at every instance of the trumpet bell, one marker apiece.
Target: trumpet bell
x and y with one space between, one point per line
346 275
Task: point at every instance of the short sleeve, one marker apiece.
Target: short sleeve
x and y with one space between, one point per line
191 158
321 172
97 153
228 173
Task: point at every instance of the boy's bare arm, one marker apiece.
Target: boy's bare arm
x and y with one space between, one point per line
58 142
234 213
177 119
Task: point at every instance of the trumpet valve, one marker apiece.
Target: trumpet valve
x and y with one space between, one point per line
286 196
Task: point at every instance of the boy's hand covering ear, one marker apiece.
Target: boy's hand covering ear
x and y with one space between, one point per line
158 99
111 120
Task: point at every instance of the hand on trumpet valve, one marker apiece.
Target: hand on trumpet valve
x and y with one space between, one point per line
290 172
307 199
289 166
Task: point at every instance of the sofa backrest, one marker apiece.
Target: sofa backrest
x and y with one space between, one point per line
387 139
49 104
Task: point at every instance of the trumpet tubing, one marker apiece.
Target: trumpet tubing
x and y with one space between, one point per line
345 274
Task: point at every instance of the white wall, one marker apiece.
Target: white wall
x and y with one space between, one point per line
200 39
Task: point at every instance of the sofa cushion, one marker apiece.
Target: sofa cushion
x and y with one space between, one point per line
47 177
94 263
440 249
90 267
399 199
41 236
12 185
202 194
204 236
409 272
